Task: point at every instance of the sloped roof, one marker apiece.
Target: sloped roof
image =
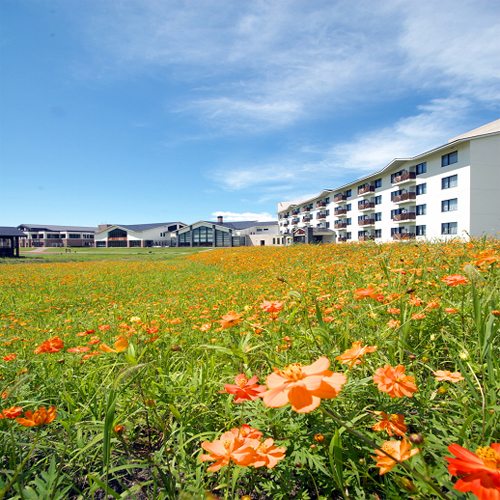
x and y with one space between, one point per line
45 227
242 224
489 128
137 228
11 231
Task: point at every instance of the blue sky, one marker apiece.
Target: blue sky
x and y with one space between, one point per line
140 111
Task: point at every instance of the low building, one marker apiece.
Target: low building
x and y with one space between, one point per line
9 241
43 235
229 234
136 235
448 192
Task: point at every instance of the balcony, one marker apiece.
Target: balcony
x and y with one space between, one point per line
403 217
295 222
403 236
366 206
320 216
306 209
295 212
366 190
342 239
340 225
321 204
368 237
286 216
404 198
340 211
366 222
306 219
339 198
404 178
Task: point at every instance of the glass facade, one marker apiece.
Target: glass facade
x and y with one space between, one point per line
203 237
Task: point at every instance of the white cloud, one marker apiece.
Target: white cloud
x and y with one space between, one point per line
234 216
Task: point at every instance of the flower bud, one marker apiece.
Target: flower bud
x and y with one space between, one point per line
151 403
405 484
119 429
314 447
298 464
176 348
443 390
416 438
425 359
319 438
412 357
496 313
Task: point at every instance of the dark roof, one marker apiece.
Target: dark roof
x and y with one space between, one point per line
45 227
145 227
11 231
244 224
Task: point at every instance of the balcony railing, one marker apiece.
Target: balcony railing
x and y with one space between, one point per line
339 197
286 216
340 211
306 209
366 205
366 189
342 239
403 236
404 197
340 225
368 237
320 216
404 177
306 219
295 222
402 217
321 204
295 212
366 222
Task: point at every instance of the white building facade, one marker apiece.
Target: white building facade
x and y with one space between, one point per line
450 191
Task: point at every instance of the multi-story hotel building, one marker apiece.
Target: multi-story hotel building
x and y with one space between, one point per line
450 191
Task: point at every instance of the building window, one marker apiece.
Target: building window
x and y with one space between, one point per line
378 216
378 233
117 233
348 193
449 205
348 221
328 212
327 200
421 168
348 207
449 182
75 236
449 158
134 243
274 241
378 199
362 233
449 228
348 236
421 209
422 188
327 225
100 244
420 230
378 183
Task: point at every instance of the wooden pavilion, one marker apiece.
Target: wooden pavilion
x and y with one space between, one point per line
9 241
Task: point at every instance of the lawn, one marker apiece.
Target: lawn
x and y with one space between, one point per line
355 371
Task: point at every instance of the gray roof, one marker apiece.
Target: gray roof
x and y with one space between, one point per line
145 227
11 231
244 224
45 227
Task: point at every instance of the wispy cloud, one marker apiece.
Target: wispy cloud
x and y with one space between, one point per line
250 73
234 216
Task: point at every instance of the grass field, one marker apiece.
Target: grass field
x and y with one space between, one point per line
148 358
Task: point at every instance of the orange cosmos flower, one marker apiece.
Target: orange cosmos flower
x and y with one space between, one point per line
272 306
303 386
393 323
363 293
418 316
353 356
79 349
393 310
481 470
391 424
120 345
487 259
445 375
230 319
450 310
267 454
12 412
400 450
455 279
10 357
228 447
55 344
244 389
40 417
394 381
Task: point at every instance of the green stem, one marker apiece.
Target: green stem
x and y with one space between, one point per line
426 480
19 469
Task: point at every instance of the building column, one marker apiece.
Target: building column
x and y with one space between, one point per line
309 235
214 235
191 238
230 237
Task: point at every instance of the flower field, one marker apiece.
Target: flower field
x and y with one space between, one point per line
334 372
